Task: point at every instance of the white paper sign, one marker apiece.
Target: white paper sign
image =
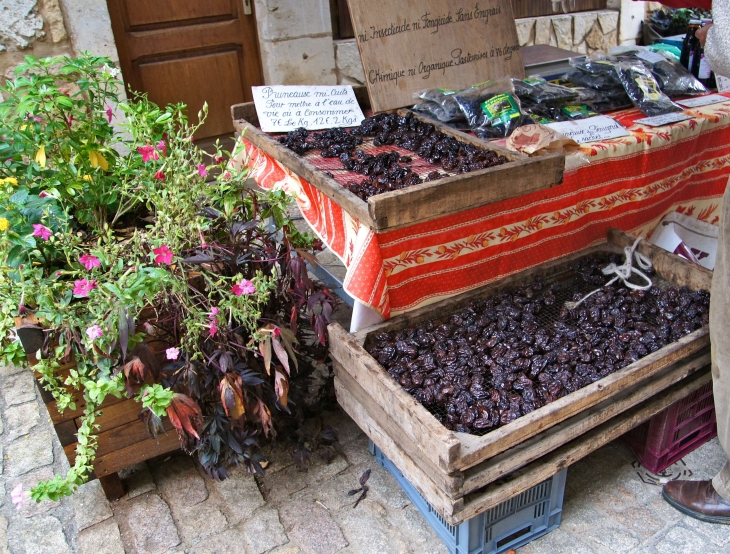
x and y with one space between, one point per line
285 108
600 127
723 83
703 101
651 57
661 120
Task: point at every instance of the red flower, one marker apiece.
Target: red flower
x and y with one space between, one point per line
148 153
109 113
160 176
162 147
244 287
163 255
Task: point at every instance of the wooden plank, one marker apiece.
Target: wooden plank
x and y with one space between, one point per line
549 465
136 453
406 47
418 478
66 431
451 484
539 445
117 413
112 486
206 35
439 444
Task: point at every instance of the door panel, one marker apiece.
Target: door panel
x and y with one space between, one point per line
158 78
144 12
189 51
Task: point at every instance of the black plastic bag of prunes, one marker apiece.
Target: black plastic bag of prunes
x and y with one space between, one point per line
537 90
439 103
643 89
492 109
673 78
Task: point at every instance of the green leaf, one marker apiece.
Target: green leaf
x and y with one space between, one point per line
20 196
16 256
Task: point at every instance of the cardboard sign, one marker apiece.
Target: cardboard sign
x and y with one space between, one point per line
407 47
703 101
284 108
661 120
651 57
591 129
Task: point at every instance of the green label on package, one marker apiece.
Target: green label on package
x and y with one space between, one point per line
539 119
578 112
534 80
501 108
649 87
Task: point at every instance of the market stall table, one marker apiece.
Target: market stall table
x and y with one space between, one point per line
629 183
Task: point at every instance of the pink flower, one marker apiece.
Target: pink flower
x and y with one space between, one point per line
218 159
277 332
17 495
227 175
213 328
94 332
43 194
89 261
148 153
202 171
41 231
38 119
83 287
109 113
172 353
162 147
244 287
70 120
213 313
163 255
160 176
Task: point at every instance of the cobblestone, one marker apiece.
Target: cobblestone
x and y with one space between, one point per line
39 535
90 505
148 525
312 528
19 388
21 419
179 481
102 538
137 480
240 495
28 453
198 521
263 532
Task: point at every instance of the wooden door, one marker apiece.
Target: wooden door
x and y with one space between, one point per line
190 51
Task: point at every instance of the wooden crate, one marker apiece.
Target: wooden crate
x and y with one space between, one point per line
458 473
418 203
123 439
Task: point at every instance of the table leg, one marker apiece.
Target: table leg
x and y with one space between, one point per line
112 485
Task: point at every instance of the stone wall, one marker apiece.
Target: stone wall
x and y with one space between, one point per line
30 27
584 32
295 38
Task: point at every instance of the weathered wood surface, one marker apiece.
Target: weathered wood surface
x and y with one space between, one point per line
419 203
458 510
406 47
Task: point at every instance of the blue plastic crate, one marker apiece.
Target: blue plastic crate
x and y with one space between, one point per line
511 524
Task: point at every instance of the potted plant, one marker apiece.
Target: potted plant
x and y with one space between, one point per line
152 272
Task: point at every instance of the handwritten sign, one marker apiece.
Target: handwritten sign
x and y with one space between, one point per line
703 101
723 83
407 47
285 108
591 129
661 120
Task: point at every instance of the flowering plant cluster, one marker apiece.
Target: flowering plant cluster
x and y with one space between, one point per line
150 264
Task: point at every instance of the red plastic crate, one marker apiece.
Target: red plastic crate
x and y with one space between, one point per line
681 428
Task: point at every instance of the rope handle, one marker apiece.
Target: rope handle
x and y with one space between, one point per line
623 272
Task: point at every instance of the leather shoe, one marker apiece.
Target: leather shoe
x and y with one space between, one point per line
697 499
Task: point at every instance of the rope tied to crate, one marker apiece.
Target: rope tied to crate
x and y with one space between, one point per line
623 272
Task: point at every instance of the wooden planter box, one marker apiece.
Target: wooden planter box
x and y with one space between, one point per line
123 439
462 475
417 203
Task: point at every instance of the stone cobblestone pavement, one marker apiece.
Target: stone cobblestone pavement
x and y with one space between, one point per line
612 505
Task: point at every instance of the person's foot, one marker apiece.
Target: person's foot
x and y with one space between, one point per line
697 499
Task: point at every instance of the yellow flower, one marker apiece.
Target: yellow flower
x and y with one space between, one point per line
88 178
9 181
4 224
97 160
40 156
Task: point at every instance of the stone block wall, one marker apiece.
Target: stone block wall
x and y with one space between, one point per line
30 27
584 32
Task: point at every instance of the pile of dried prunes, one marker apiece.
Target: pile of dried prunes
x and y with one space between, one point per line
506 356
389 171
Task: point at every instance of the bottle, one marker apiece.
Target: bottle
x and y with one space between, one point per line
712 82
700 67
688 44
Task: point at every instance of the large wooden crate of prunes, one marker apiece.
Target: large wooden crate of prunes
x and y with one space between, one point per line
443 190
469 443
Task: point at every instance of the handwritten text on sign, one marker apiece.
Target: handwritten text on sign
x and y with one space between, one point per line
410 46
591 129
285 108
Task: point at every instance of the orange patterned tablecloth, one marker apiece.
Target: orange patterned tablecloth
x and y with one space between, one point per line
629 183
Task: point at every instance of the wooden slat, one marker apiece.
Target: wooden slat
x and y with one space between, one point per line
116 414
206 35
136 453
549 465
